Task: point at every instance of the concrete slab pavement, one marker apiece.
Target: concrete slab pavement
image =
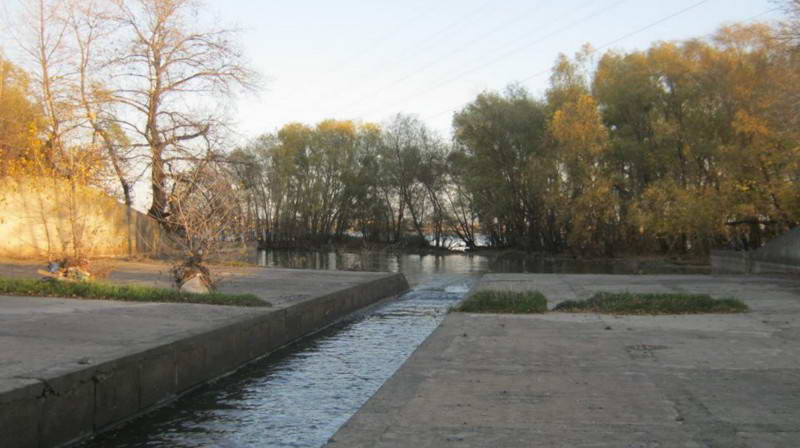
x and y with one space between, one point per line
70 368
587 380
275 285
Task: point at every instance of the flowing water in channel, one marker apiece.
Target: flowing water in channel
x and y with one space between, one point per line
300 396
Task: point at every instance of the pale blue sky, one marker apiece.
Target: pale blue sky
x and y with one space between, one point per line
367 60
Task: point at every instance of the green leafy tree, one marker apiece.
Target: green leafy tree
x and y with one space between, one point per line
501 137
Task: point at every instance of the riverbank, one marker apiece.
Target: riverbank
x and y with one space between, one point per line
72 368
560 379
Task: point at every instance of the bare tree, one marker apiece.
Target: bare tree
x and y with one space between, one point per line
790 26
170 75
92 30
204 212
44 40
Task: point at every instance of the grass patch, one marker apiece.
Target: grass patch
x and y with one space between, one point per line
511 302
633 303
126 293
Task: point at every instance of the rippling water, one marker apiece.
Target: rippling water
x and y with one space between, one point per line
299 397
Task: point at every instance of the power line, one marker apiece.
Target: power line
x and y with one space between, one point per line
439 59
506 54
373 44
651 25
434 35
647 27
616 40
763 14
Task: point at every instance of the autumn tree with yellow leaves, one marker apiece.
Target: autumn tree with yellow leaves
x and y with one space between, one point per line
678 148
20 117
683 147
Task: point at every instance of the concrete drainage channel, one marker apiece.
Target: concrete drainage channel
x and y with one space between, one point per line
60 400
301 395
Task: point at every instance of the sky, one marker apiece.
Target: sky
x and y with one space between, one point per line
368 60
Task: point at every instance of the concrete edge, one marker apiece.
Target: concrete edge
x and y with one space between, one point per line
64 407
399 384
406 387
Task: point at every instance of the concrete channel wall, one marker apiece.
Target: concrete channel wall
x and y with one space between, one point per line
68 406
779 256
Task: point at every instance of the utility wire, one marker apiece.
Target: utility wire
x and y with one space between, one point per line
439 59
658 22
374 44
442 31
619 39
504 55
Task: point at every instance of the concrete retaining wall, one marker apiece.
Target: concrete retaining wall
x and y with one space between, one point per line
69 406
35 221
780 256
730 262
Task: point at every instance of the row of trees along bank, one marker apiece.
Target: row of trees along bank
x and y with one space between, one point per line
682 147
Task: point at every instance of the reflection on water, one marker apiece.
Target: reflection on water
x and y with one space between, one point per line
300 397
417 268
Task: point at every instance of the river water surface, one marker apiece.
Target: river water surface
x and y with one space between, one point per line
300 396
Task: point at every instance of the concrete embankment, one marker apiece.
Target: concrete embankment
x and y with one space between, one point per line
580 380
779 256
70 368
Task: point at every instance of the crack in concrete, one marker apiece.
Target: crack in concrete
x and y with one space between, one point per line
47 391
